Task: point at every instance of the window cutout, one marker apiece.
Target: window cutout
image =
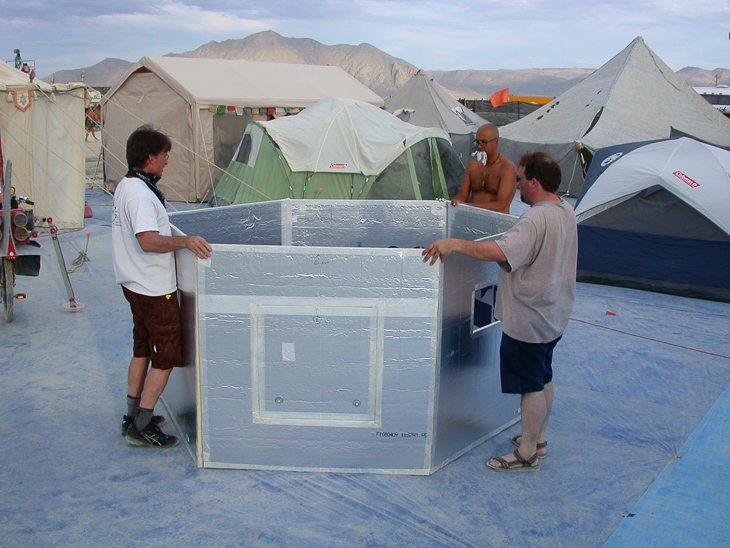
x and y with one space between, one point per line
462 115
245 151
485 299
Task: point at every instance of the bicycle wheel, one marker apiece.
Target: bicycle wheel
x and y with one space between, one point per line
8 275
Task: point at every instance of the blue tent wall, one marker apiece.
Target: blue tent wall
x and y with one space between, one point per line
680 266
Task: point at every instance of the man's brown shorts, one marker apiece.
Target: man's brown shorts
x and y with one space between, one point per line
157 328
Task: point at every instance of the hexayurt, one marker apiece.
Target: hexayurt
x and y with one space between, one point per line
317 338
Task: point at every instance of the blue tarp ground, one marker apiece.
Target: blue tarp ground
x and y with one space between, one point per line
687 505
624 407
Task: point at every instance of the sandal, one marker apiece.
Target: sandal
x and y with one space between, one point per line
516 442
519 465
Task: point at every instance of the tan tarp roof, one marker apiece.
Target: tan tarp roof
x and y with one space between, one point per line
253 84
174 94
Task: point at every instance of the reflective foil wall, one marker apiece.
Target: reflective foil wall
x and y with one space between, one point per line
317 339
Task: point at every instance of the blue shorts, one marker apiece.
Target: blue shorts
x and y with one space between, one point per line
525 367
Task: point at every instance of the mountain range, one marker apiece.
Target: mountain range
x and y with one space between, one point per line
379 71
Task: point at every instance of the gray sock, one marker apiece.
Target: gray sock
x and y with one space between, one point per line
143 418
132 406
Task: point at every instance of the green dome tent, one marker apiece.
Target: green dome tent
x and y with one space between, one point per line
339 149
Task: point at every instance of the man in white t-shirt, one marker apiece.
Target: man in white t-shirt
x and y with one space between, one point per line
536 293
144 265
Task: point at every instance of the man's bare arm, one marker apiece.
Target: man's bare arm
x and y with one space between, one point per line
465 190
484 251
154 242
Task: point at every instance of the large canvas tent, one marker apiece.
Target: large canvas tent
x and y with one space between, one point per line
634 97
423 102
656 216
339 149
42 133
204 105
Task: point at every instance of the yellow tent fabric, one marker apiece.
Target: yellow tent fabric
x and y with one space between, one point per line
42 132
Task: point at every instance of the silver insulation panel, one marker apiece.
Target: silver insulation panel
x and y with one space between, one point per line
317 339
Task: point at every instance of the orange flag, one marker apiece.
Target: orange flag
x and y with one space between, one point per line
499 97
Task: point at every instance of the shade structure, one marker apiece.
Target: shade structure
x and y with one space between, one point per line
204 106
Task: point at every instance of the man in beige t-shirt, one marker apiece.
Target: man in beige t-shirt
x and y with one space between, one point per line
536 293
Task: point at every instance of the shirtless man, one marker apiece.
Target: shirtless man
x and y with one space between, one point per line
491 185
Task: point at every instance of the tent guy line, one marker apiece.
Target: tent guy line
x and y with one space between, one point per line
650 338
187 149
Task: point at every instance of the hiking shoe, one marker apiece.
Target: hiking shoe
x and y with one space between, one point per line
151 436
159 420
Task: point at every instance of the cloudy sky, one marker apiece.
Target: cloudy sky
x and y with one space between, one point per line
431 34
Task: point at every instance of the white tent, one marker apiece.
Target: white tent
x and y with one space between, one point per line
345 136
633 97
339 149
657 216
696 173
423 102
204 105
42 133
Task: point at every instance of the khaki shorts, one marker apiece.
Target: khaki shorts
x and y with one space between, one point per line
157 328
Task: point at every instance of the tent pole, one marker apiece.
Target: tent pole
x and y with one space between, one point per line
412 170
437 171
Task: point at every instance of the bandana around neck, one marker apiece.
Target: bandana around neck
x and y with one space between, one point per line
150 180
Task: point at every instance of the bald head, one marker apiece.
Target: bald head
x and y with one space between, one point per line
487 132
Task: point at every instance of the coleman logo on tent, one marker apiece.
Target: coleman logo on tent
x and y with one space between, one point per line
611 159
338 166
682 177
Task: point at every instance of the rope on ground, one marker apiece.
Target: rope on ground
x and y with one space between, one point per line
83 256
78 261
651 339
